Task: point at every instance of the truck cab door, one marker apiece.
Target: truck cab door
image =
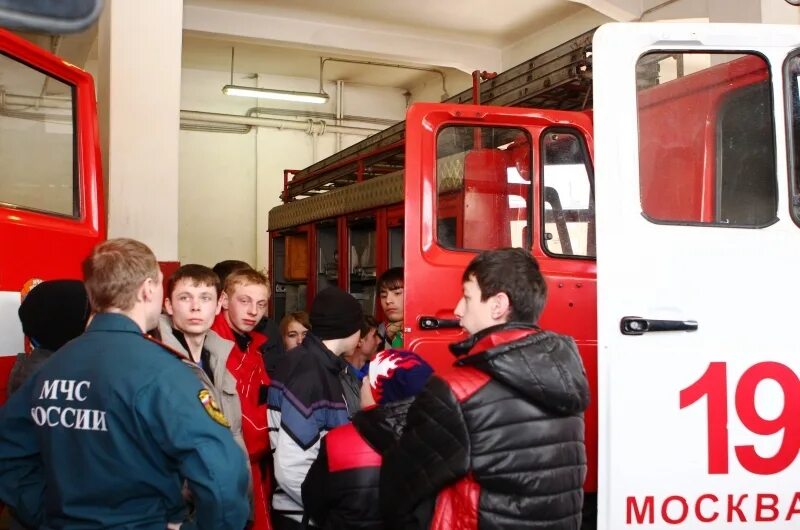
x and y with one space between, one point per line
698 241
472 184
51 211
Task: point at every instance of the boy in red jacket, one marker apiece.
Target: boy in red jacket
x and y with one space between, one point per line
244 302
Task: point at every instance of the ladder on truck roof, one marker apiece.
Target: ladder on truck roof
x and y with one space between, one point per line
560 78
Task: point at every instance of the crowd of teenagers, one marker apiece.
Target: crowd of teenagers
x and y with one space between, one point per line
150 404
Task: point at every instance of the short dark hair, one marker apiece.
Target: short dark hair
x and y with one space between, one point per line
391 279
223 269
367 324
199 274
512 271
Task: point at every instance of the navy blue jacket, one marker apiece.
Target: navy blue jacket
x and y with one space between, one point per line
104 434
306 400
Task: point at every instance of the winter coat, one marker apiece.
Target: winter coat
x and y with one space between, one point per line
306 400
247 366
106 432
498 440
220 382
351 386
342 487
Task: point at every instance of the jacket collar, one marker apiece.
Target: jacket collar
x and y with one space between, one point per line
491 337
243 341
218 347
113 322
330 361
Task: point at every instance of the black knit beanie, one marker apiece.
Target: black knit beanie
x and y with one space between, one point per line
54 312
335 314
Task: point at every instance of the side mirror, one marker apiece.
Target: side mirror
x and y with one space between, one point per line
46 16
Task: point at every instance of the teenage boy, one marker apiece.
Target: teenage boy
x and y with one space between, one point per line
244 302
500 435
390 289
365 350
110 427
307 398
192 302
273 350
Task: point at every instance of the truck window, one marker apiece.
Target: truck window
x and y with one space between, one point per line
362 233
706 139
568 196
792 80
37 141
483 179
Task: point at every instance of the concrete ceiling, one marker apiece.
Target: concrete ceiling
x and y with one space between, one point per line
209 53
496 24
288 37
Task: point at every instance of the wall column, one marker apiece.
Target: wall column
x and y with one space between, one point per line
139 80
779 12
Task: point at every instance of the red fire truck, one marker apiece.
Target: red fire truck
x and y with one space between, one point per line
51 198
663 220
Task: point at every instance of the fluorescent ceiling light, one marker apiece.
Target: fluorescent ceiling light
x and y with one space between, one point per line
266 93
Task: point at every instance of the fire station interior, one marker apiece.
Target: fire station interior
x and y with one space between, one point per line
275 133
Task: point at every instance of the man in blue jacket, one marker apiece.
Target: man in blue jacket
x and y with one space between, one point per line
105 434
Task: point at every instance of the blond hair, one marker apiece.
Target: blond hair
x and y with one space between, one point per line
244 277
115 270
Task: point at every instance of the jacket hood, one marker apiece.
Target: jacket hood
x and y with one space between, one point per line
543 366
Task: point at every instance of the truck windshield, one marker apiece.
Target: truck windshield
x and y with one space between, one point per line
37 141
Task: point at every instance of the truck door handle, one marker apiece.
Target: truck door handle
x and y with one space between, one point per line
639 325
426 322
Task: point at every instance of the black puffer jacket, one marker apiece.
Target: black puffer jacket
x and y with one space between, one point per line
341 489
498 440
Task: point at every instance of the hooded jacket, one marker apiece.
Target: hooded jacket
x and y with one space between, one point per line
223 386
497 441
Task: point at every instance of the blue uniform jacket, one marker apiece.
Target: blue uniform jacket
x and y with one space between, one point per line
103 435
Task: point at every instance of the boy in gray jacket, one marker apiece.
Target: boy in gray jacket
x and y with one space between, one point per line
192 303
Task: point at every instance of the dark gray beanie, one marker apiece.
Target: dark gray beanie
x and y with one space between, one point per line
335 314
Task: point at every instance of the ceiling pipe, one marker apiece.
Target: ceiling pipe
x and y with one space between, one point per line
255 111
215 128
321 125
339 112
323 60
646 12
